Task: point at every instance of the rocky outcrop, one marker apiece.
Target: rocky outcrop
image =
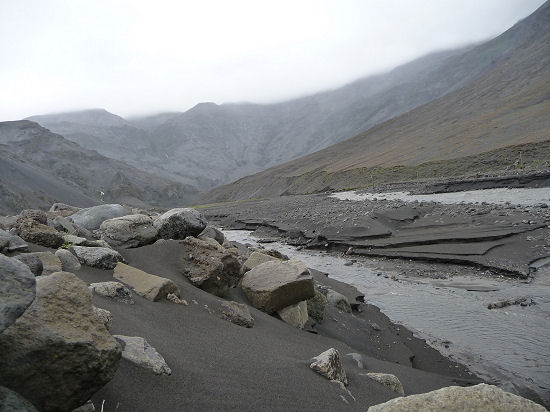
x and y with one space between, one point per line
128 231
295 315
98 257
180 223
11 401
137 350
388 380
151 287
34 232
209 266
33 262
69 262
113 290
33 214
328 364
255 259
58 353
478 398
92 217
275 285
17 290
237 313
212 233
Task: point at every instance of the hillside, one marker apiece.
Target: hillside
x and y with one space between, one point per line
506 105
39 167
212 144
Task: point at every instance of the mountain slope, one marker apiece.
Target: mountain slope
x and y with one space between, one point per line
40 167
507 104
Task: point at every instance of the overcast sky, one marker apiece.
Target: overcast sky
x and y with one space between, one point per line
138 57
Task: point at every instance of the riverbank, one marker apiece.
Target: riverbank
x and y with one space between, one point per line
457 289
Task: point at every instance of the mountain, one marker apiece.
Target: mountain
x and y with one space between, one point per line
212 144
506 104
39 167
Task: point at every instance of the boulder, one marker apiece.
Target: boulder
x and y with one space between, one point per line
92 217
33 262
104 316
38 216
212 233
151 287
97 257
32 231
50 262
237 313
113 290
180 223
57 354
11 401
338 300
209 266
62 224
73 240
12 242
17 290
255 259
295 315
275 285
328 364
316 307
137 350
128 231
388 380
478 398
69 262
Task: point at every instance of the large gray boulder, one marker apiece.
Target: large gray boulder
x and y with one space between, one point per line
58 353
209 266
151 287
97 257
92 217
137 350
17 290
11 401
329 365
12 243
275 285
128 231
180 223
478 398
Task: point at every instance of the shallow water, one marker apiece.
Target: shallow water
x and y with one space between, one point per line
509 347
497 196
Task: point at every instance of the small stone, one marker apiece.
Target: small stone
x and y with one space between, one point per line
389 380
237 313
151 287
104 316
295 315
113 290
328 364
33 262
171 297
69 262
137 350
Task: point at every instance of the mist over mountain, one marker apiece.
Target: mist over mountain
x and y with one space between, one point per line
212 144
506 102
39 167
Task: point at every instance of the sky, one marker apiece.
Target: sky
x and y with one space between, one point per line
135 57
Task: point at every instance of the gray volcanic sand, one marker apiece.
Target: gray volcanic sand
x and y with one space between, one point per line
217 365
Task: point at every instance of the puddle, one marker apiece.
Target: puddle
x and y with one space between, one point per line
508 346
